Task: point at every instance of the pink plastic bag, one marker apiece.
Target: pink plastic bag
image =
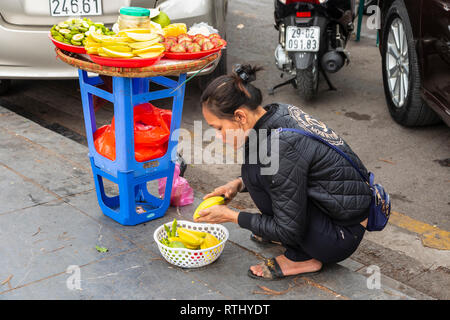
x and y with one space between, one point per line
182 193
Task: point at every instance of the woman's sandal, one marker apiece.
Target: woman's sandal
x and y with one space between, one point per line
259 239
272 271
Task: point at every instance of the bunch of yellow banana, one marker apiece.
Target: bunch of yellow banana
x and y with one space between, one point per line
186 238
128 43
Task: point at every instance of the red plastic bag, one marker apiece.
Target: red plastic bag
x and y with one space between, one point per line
151 134
182 194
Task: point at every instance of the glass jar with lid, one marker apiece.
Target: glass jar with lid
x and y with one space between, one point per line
134 18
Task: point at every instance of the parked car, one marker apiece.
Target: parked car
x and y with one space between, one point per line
27 53
415 50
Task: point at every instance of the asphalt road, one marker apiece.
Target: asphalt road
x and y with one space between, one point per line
410 162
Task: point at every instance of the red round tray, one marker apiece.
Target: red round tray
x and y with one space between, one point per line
67 47
125 63
191 55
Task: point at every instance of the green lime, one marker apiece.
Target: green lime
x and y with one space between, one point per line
78 37
162 19
177 244
64 31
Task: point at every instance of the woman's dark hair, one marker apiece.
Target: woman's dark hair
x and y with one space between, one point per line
225 94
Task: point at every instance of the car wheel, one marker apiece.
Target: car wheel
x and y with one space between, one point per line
221 69
5 84
401 72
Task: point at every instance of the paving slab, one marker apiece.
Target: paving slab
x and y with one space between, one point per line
24 193
44 240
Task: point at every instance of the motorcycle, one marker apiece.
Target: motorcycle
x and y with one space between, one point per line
312 38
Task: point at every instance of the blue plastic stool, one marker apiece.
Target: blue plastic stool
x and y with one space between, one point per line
134 204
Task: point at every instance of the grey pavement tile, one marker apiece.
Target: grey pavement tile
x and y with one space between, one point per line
51 172
140 235
354 285
228 275
40 241
398 286
60 145
134 275
17 193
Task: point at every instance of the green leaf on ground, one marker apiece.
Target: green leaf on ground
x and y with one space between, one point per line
101 249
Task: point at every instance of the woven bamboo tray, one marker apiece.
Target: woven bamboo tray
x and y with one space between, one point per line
165 67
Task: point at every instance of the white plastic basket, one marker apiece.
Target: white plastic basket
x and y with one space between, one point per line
187 258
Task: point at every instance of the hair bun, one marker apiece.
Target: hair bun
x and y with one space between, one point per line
246 72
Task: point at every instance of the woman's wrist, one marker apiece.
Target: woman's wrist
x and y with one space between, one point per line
240 184
233 215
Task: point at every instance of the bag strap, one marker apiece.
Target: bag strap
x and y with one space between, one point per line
311 135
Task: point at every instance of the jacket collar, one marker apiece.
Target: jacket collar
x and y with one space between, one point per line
265 122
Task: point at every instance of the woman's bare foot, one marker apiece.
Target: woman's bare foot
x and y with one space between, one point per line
289 267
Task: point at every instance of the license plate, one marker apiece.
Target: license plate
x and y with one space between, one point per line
302 39
65 8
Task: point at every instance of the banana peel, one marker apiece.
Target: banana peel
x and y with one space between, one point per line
212 201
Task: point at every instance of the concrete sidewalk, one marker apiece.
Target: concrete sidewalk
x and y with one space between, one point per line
50 220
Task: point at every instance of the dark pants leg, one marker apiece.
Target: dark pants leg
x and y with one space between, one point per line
324 240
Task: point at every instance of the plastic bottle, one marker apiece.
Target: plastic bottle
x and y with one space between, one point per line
134 18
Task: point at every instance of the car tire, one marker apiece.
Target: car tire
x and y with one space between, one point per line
402 83
221 69
5 84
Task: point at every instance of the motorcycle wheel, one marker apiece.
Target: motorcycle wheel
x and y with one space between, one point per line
307 81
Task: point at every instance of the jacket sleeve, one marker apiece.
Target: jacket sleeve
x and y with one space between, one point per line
288 192
245 188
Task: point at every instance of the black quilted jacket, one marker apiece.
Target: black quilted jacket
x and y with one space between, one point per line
308 171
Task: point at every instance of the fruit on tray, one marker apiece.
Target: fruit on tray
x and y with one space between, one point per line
197 43
130 43
194 47
178 237
208 45
212 201
174 29
75 31
162 19
178 48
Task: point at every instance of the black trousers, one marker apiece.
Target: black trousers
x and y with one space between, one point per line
325 240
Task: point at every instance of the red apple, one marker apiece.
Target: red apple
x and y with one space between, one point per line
217 42
185 43
198 36
207 45
177 48
167 45
171 40
194 47
214 35
201 41
183 37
